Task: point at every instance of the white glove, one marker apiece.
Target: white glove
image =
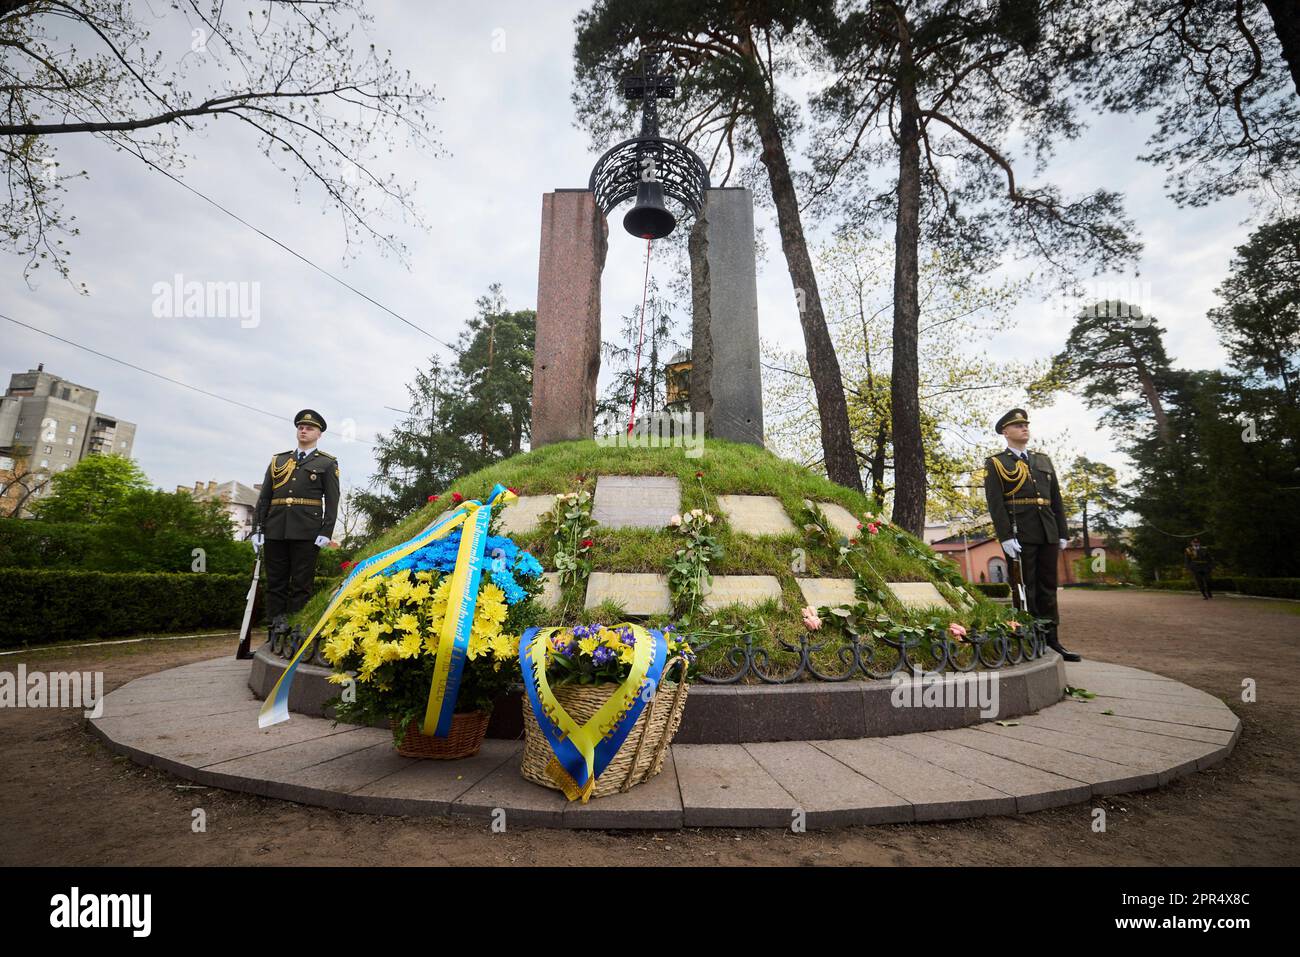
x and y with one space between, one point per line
322 541
1063 544
1012 547
258 541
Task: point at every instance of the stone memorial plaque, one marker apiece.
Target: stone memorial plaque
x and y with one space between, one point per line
640 593
632 501
524 514
756 514
742 589
918 595
832 592
841 519
550 596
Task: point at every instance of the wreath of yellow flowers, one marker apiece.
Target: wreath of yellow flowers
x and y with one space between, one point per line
401 617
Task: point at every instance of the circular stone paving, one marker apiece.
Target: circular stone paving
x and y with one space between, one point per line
1141 731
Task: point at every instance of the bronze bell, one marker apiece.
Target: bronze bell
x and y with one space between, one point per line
649 218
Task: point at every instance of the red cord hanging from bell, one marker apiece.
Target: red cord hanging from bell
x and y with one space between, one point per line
636 376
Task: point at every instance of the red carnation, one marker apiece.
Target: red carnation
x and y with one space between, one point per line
699 475
345 565
512 491
457 497
587 543
433 498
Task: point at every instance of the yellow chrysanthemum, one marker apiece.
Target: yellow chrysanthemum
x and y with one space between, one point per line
505 646
441 595
419 593
338 647
411 644
479 645
407 622
589 644
360 609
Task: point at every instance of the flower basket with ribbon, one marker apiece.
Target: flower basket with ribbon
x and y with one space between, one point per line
601 705
424 634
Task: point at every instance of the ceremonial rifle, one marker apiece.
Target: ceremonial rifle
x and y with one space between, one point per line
1019 564
246 629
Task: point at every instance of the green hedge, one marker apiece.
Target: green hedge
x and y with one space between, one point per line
42 606
37 606
995 589
1263 587
32 543
1187 584
1270 587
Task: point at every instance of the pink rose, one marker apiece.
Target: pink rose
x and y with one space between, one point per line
957 631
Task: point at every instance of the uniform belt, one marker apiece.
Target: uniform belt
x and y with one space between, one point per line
1029 501
295 501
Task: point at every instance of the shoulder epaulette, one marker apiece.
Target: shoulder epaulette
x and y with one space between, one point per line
324 453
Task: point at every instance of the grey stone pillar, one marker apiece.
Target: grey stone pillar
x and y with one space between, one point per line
566 357
726 381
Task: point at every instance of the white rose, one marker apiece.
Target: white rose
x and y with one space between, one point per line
710 518
675 520
697 512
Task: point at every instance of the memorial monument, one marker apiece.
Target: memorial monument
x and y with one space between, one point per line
725 382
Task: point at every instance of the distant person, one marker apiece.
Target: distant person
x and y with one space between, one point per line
1199 561
295 514
1024 499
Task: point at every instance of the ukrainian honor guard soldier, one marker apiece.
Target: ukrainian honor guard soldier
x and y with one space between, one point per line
1200 563
295 516
1024 500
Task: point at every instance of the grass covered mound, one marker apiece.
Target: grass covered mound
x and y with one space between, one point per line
723 468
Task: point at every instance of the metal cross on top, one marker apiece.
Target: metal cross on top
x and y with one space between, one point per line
662 85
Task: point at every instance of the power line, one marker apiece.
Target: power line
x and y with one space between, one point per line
293 252
156 375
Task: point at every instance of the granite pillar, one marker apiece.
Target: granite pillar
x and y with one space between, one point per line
726 381
566 357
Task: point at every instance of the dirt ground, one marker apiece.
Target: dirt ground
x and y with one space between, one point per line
65 799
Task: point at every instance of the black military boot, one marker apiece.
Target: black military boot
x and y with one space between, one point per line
1054 643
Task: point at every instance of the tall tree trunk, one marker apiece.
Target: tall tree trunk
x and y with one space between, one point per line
878 466
905 402
1152 395
1286 24
1087 542
823 366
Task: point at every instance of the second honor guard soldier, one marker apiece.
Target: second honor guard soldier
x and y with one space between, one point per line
1024 500
295 516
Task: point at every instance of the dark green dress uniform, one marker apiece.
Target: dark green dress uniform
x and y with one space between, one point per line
1024 500
1200 563
299 502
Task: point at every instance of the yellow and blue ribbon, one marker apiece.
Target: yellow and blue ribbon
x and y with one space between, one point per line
580 754
454 638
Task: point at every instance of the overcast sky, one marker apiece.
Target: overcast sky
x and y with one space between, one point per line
506 125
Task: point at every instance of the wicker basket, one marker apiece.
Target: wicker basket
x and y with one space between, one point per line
468 730
641 756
